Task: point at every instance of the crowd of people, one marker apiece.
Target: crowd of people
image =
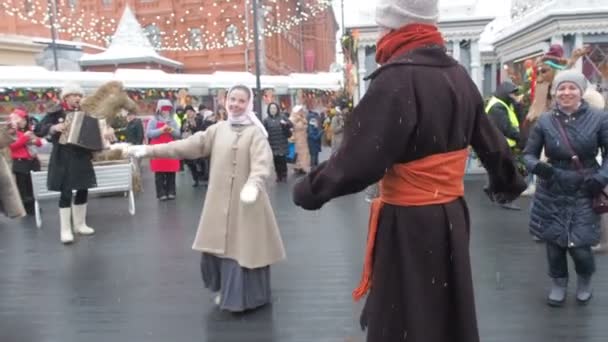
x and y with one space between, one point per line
416 155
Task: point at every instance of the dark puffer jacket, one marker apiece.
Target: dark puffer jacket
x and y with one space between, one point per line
278 127
562 208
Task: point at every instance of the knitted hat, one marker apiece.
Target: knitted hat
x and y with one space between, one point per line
394 14
71 89
556 51
572 76
20 113
163 104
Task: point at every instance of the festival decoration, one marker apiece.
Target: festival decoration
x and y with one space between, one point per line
281 17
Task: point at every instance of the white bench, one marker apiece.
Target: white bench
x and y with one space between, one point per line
110 179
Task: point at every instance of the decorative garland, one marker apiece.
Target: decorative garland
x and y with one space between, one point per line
52 94
28 95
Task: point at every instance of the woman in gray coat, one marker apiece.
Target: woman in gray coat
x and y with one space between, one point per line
562 213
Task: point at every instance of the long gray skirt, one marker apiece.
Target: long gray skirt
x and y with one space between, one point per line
240 288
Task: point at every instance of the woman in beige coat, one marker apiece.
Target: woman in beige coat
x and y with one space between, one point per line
238 233
300 137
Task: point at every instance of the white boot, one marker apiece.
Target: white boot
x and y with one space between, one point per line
79 213
65 218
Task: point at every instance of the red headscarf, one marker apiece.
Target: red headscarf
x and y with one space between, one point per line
407 38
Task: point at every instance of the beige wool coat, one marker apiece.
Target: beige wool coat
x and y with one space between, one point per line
300 138
246 233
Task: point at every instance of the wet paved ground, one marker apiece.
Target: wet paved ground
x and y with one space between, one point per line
138 280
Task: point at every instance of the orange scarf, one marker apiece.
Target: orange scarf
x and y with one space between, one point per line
436 179
407 38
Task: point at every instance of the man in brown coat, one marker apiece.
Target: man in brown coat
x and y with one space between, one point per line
411 131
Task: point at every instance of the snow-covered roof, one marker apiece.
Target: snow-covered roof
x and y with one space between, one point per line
226 79
547 8
322 80
129 45
39 77
72 43
488 36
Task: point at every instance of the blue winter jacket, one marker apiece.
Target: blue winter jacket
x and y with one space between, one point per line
562 208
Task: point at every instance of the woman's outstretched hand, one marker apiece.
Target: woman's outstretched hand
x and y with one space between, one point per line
137 151
249 194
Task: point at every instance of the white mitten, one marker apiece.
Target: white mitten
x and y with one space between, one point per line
137 151
249 194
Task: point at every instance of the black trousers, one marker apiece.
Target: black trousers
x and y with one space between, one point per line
165 184
584 261
280 167
65 200
314 159
198 169
26 191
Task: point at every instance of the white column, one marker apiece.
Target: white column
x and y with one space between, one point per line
456 50
493 77
476 64
362 71
557 39
578 43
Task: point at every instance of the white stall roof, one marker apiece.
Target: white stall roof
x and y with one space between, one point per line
322 81
226 79
149 78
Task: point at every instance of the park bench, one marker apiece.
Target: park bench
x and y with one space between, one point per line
115 178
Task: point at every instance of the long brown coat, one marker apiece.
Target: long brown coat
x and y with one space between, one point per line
10 200
421 104
247 233
300 137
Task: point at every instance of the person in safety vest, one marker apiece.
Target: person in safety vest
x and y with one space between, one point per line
504 111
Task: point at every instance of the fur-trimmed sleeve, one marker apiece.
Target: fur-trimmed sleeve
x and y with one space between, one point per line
197 146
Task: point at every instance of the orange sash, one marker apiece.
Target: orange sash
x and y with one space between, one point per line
435 179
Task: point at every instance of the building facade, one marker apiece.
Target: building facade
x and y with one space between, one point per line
535 26
205 35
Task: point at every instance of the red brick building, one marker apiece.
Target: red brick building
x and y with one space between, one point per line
204 35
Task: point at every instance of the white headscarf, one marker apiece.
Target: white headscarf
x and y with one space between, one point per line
247 118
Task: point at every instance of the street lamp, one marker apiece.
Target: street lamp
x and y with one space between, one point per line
256 38
52 13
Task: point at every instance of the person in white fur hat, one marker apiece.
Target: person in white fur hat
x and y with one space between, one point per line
70 167
411 131
238 234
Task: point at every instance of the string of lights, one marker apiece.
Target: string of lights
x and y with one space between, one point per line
279 18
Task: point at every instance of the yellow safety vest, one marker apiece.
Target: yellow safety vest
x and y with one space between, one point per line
512 116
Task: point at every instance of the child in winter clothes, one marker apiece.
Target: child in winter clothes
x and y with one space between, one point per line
314 141
238 233
24 157
163 129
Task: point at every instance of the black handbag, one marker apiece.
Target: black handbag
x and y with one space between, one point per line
600 201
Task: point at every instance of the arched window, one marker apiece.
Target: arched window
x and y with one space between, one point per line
231 36
196 42
153 34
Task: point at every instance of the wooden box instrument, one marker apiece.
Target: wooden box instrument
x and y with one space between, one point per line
84 131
